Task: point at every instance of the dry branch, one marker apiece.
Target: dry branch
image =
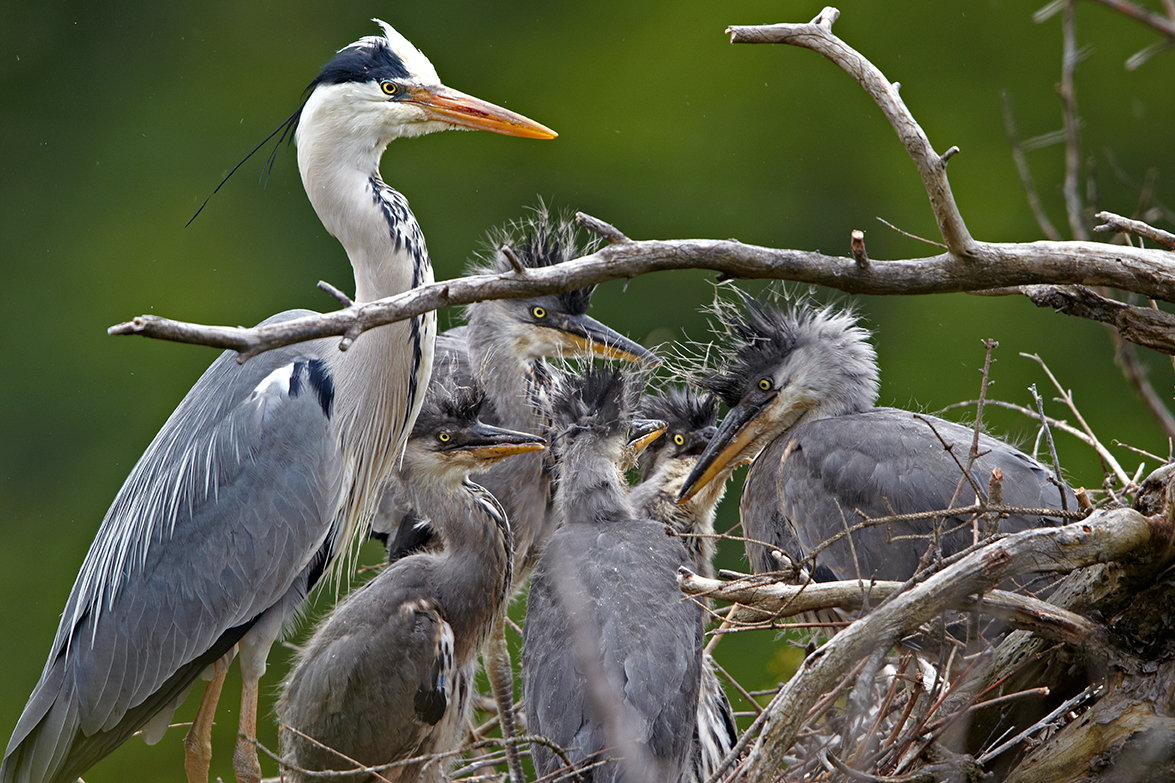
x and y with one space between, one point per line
1102 537
968 265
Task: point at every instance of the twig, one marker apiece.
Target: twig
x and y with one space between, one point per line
778 600
1144 326
1119 224
817 36
1026 181
1067 398
342 298
857 247
1063 708
1069 58
1048 434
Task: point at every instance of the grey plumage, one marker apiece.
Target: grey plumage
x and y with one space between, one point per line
388 673
611 655
664 465
802 386
505 346
266 472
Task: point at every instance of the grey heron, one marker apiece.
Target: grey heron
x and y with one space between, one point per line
387 675
691 421
265 472
611 654
802 386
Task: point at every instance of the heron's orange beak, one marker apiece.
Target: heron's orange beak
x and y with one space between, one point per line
585 336
642 432
456 108
492 443
736 433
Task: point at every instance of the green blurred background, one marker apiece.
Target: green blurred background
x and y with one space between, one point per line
119 118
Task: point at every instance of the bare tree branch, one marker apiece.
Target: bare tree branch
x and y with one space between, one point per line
817 36
968 265
992 266
1103 536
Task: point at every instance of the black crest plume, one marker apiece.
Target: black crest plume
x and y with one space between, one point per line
682 407
456 406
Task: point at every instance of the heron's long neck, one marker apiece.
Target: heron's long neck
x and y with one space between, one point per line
477 565
656 498
380 380
517 384
591 487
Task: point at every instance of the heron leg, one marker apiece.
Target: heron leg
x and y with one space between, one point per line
245 764
254 650
198 741
500 673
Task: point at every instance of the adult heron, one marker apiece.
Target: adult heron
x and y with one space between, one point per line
611 654
387 675
265 472
802 387
691 421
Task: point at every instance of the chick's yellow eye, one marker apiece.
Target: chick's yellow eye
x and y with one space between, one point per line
538 312
389 88
444 437
765 384
679 439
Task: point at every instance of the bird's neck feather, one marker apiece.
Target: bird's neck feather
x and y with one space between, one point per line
591 488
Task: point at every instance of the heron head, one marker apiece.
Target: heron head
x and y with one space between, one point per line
382 87
599 405
449 442
787 366
556 324
691 420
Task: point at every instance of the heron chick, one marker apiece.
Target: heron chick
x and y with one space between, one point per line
802 387
266 471
387 675
691 421
611 655
505 347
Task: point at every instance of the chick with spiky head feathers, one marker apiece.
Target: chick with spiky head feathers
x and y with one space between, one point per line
611 655
505 346
691 421
802 385
267 472
387 675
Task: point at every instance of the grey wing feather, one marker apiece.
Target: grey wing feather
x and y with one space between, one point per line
812 483
375 677
227 507
649 639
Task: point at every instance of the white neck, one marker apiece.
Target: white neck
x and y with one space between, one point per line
380 380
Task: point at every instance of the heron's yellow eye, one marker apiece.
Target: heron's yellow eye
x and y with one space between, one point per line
389 88
679 439
444 437
538 312
765 384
